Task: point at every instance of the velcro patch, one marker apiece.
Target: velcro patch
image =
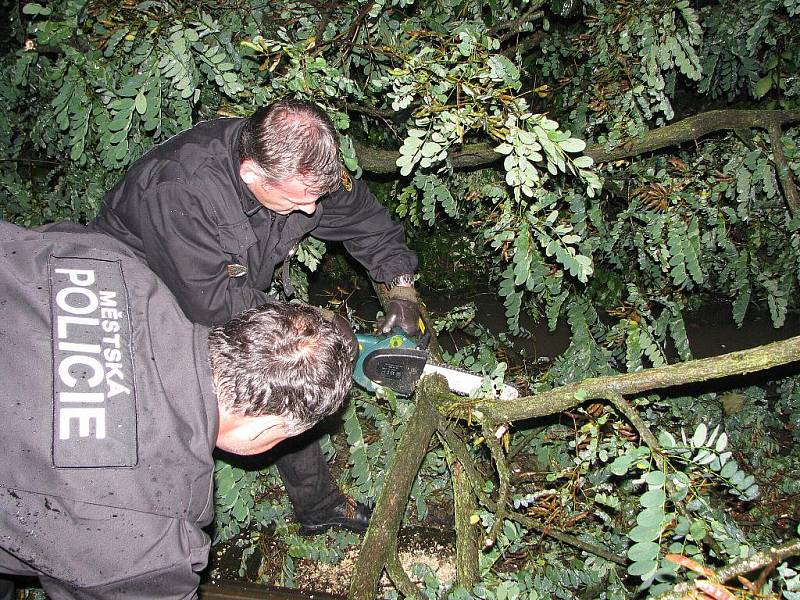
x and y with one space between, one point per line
94 394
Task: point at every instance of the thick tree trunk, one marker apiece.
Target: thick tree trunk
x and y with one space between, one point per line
380 540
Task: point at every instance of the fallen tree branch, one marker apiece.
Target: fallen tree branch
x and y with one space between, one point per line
464 506
490 434
759 560
381 538
783 171
692 128
560 399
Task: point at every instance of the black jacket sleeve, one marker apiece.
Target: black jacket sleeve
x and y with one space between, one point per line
182 247
368 232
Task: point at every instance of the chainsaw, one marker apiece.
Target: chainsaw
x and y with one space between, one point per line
397 362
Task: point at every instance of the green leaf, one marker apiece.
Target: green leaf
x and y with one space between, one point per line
655 479
763 86
653 498
645 533
76 151
620 465
699 437
643 551
651 517
573 145
640 569
32 8
698 530
430 149
140 103
729 469
666 440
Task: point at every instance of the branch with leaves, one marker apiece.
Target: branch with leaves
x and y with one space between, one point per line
376 160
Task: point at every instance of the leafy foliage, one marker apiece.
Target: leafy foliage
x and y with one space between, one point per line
615 251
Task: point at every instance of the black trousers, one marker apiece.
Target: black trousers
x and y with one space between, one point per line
7 590
306 476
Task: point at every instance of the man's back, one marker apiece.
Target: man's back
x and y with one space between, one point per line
110 418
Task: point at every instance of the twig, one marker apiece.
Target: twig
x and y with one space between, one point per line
532 14
457 447
495 447
566 538
758 560
784 172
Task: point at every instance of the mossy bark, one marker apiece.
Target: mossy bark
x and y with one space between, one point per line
381 537
560 399
467 548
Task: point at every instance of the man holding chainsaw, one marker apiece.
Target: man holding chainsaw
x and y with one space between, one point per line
215 209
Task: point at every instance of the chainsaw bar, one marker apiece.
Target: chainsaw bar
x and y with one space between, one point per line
465 382
401 368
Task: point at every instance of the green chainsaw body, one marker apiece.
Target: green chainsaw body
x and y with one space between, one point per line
391 360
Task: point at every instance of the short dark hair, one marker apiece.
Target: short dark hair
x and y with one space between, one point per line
292 138
280 359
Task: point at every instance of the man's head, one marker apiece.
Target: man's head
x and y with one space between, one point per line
289 153
278 370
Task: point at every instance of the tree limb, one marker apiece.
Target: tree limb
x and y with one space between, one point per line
376 160
381 536
783 170
490 432
560 399
759 560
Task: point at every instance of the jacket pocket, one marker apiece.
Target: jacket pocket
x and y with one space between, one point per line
236 238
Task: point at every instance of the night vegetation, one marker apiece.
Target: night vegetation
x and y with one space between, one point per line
604 165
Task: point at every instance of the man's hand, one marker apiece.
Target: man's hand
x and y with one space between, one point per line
402 311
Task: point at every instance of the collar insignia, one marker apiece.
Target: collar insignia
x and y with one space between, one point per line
235 270
347 182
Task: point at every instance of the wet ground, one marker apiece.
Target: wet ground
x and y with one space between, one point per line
427 547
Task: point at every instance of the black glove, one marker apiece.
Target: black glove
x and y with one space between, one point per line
402 311
343 326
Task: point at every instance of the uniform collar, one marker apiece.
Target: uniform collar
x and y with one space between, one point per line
205 383
250 205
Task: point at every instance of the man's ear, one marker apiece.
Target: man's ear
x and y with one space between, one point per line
251 428
249 171
249 435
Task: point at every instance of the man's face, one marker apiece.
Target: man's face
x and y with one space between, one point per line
282 197
286 197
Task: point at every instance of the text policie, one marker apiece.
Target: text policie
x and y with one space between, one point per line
94 366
